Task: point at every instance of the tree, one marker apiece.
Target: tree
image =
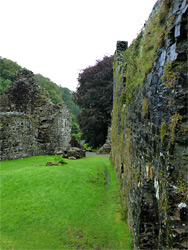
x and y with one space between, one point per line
94 96
67 96
8 69
51 87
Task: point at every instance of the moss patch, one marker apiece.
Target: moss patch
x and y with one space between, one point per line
169 77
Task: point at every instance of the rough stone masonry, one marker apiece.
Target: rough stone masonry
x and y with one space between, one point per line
150 129
30 124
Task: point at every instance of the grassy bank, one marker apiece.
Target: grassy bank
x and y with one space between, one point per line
61 207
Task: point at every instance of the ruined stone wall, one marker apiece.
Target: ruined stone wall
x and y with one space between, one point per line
30 123
18 136
150 129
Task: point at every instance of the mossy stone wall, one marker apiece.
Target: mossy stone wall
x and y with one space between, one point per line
150 129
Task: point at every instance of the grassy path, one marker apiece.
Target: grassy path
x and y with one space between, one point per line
61 207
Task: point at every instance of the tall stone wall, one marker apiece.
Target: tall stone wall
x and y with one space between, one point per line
30 123
150 129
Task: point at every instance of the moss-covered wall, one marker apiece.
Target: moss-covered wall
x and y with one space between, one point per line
150 128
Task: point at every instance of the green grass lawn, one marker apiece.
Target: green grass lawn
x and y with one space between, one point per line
61 207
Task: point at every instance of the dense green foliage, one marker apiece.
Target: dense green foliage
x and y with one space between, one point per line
7 72
94 96
67 96
76 129
61 207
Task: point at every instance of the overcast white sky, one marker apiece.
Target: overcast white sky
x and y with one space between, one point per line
58 38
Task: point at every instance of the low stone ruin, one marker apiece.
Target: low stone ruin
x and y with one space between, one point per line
106 147
76 151
30 124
